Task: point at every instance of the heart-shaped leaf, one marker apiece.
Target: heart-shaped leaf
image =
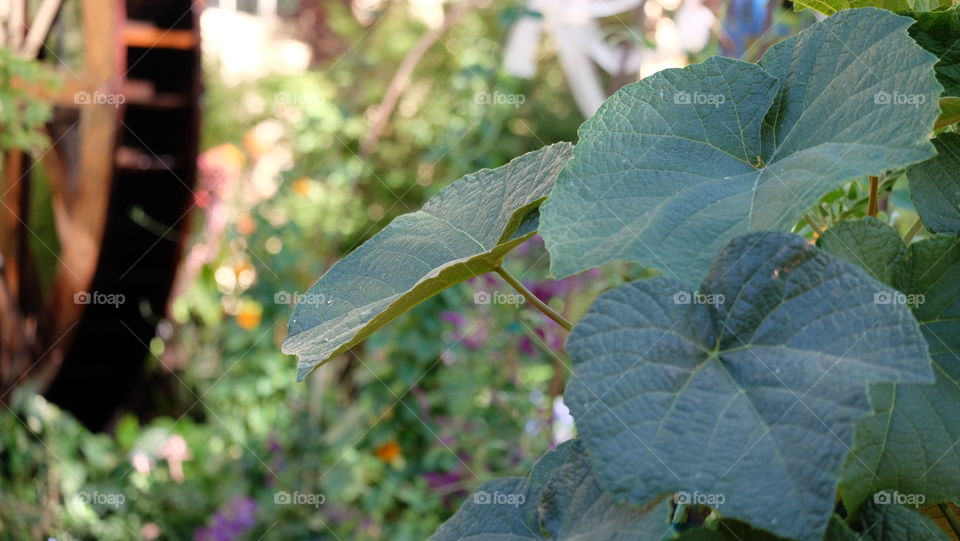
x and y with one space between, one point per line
463 231
745 392
869 243
674 166
935 186
560 501
908 447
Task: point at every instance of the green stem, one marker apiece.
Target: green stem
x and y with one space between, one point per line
532 299
874 204
813 224
912 231
951 518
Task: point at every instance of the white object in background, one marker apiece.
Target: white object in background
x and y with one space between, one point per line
247 46
694 21
580 45
523 41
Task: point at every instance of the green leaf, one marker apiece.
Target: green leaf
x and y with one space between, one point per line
667 183
869 243
561 500
463 231
747 391
935 186
909 444
949 112
829 7
896 523
939 33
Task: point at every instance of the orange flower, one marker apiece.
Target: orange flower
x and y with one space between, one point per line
302 186
249 316
246 225
388 452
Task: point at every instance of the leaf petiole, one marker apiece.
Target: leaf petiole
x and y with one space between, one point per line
532 299
951 518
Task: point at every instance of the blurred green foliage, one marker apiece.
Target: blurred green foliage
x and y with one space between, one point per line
393 436
21 115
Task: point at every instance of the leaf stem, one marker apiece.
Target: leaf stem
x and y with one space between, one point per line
951 518
874 204
817 228
912 231
537 303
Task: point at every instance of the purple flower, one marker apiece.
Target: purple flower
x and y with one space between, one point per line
273 444
445 484
527 346
230 522
453 317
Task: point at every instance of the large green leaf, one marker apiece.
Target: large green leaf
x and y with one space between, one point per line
463 231
751 398
560 501
909 445
935 186
667 183
869 243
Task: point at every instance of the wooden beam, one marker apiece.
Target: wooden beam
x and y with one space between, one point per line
146 35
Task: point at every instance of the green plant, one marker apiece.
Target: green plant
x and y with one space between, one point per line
759 373
22 114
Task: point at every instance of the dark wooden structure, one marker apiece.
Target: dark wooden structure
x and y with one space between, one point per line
121 175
